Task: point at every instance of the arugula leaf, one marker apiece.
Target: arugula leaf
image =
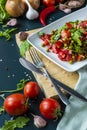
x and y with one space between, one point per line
19 122
21 84
62 28
78 49
25 46
41 34
76 37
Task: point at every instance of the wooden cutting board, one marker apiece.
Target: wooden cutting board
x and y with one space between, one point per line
68 78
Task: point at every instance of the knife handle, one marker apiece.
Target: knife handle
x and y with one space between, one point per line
69 90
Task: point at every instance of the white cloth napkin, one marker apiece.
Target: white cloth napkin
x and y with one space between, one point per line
75 115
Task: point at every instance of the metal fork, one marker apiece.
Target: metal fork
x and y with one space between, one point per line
39 64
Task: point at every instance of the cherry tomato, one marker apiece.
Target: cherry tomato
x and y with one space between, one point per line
50 108
16 104
31 89
48 2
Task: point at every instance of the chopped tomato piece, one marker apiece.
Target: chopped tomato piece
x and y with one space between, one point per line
69 25
65 34
59 44
46 42
65 55
55 49
83 24
80 57
61 55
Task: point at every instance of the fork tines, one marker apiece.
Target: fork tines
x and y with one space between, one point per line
34 55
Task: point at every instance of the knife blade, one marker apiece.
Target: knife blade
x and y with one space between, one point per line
28 65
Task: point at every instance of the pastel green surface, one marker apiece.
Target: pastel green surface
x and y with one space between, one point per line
75 116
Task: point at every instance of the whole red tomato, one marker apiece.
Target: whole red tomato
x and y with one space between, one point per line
16 104
50 108
48 2
31 89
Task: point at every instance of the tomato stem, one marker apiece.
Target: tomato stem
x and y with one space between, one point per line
10 91
20 87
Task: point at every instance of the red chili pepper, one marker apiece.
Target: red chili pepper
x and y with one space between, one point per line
45 13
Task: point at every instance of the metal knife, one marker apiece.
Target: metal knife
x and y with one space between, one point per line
28 65
62 96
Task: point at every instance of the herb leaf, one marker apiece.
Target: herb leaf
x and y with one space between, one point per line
21 84
3 14
76 37
25 46
7 33
19 122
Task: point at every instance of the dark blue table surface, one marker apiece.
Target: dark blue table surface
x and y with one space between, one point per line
11 72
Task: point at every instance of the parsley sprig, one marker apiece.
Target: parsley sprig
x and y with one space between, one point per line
7 33
19 122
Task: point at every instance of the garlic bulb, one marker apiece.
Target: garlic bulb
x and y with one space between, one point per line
31 14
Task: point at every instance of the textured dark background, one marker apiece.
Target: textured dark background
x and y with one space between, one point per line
11 72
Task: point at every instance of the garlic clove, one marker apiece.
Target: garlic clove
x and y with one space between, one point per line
39 122
75 3
62 6
67 10
31 14
12 22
